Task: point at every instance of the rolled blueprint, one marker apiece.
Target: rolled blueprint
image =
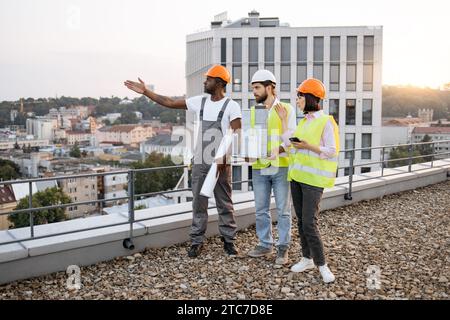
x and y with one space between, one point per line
210 182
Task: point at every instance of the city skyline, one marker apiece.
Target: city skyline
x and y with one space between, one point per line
78 48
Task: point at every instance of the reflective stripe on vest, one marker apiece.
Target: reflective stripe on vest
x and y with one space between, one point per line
274 128
316 171
306 166
311 154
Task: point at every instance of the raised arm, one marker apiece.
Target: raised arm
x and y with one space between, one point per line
140 87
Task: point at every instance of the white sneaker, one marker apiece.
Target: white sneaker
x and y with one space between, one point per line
303 265
326 273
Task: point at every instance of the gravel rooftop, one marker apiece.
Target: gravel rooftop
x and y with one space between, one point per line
405 235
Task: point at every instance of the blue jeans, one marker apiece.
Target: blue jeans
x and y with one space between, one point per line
264 181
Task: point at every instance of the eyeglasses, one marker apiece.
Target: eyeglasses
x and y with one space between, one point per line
300 94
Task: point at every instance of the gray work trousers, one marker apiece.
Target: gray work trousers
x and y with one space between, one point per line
222 195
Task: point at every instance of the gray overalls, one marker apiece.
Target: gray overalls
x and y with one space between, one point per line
222 191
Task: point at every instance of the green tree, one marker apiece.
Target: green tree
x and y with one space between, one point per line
75 151
158 180
128 117
9 170
427 149
48 197
403 153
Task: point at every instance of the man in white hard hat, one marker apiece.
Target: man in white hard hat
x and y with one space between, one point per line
271 173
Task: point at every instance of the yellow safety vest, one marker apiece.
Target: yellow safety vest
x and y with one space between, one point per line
306 166
274 128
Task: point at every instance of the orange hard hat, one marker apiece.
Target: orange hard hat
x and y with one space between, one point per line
218 71
314 87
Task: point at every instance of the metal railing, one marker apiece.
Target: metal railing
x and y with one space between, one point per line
131 174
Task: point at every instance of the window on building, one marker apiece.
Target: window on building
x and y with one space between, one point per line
301 73
302 52
285 78
365 170
302 49
237 78
318 71
368 48
350 112
251 71
352 49
367 112
366 142
351 63
253 50
318 49
351 77
368 77
285 50
318 58
335 49
349 144
334 77
285 64
269 54
253 56
237 50
334 109
237 65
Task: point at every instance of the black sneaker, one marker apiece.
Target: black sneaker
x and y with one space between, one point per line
195 250
230 249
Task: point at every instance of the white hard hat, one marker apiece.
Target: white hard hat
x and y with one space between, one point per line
263 75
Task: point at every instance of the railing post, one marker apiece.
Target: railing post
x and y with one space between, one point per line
128 243
410 149
433 151
348 196
382 162
30 205
131 200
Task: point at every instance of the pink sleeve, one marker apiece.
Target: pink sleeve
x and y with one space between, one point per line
327 143
285 137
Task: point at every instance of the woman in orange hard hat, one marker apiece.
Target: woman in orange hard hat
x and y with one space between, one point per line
313 152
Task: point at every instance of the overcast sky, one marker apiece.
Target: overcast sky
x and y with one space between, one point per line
88 48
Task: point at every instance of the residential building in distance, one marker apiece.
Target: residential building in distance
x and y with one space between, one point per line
80 137
127 134
8 144
164 144
7 204
436 134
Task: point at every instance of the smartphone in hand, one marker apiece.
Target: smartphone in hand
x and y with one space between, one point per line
294 139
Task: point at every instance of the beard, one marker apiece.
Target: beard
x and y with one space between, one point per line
261 99
208 91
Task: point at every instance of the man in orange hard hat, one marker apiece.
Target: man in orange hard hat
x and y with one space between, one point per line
216 114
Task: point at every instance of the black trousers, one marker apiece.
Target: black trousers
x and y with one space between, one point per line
306 200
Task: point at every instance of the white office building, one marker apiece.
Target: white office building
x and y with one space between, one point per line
42 128
347 59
